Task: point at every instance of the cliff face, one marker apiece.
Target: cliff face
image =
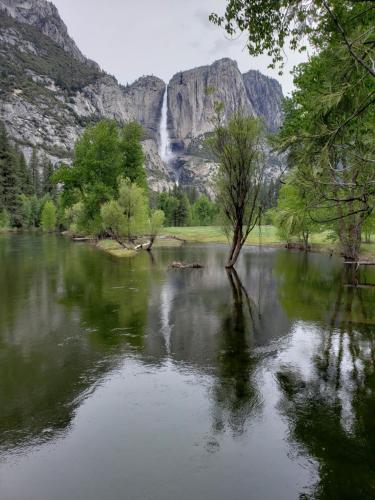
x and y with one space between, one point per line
49 92
192 95
265 95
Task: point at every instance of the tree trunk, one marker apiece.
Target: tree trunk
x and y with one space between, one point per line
152 239
235 248
306 241
351 242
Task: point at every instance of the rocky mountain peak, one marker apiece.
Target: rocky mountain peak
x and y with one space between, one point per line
192 95
44 16
266 96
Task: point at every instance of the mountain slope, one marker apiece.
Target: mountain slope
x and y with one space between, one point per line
45 17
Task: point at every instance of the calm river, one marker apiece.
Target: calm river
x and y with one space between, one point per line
121 379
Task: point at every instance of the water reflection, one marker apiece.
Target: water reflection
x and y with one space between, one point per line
64 325
274 362
330 406
235 394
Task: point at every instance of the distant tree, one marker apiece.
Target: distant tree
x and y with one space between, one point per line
23 172
203 211
4 219
238 148
169 205
133 157
176 207
30 211
10 188
182 214
48 217
48 186
35 174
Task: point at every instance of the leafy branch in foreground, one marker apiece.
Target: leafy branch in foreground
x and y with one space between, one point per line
270 25
331 145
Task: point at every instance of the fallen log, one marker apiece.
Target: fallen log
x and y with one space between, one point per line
143 246
185 265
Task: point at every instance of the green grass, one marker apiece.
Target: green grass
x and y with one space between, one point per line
114 248
265 235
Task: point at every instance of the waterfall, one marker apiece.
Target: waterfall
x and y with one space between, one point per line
165 147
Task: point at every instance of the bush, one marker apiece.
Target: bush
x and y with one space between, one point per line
4 219
48 217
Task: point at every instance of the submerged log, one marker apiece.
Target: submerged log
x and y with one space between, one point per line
78 239
185 265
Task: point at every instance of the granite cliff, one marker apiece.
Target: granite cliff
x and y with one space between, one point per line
192 96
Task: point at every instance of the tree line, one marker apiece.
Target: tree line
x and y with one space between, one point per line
27 192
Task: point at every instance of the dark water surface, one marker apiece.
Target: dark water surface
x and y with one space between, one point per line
120 379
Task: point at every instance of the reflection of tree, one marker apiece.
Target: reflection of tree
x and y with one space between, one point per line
235 396
112 296
71 313
331 410
309 287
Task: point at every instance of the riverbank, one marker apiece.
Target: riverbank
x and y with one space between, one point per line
263 236
114 248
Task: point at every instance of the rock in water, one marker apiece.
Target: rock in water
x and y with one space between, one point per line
185 265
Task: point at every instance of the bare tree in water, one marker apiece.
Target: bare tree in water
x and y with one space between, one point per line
238 148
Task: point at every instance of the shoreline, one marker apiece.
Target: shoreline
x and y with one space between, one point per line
208 235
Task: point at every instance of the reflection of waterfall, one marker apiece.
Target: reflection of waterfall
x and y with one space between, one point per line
165 147
166 309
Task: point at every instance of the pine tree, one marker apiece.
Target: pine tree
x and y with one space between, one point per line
9 180
34 172
183 211
23 172
47 185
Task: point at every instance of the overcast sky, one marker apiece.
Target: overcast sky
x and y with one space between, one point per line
131 38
